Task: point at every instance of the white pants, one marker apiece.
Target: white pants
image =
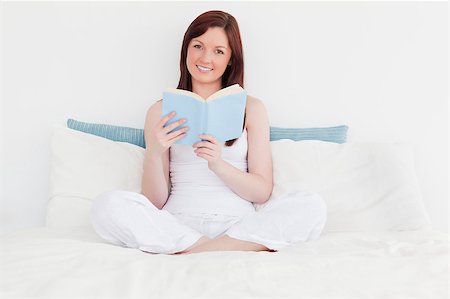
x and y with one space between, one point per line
129 219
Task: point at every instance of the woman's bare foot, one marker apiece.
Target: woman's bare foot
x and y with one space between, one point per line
226 243
200 241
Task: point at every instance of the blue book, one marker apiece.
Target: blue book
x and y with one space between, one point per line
220 115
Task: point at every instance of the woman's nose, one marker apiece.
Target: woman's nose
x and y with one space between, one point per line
206 56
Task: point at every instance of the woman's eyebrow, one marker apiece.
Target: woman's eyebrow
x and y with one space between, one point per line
216 47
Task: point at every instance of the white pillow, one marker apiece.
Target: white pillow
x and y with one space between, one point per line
367 186
83 166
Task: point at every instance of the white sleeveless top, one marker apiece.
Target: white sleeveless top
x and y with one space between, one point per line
196 189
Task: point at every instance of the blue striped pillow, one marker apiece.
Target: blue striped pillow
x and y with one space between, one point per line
336 134
115 133
136 136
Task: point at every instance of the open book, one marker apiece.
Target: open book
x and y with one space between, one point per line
220 115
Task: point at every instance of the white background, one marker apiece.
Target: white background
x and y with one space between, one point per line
379 67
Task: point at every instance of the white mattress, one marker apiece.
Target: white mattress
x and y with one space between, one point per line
46 263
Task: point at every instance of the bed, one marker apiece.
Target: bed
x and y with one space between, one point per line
48 263
378 241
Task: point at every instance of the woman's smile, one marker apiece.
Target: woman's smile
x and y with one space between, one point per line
203 69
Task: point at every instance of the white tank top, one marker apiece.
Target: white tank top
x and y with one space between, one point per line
196 189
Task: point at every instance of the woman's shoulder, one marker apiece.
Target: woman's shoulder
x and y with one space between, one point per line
154 109
254 105
157 105
251 100
255 111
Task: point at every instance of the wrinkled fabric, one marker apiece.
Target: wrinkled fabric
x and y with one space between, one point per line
129 219
45 263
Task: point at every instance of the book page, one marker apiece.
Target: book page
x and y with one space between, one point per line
186 93
236 88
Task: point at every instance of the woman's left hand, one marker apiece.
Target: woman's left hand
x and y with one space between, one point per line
210 150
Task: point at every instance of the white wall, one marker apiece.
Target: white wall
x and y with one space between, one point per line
379 67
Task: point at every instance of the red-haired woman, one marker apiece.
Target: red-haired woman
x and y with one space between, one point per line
200 197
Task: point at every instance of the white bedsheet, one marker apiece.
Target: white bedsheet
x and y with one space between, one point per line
46 263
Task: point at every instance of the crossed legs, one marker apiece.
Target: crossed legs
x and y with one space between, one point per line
123 217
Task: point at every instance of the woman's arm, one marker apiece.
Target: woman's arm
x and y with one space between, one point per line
255 185
155 179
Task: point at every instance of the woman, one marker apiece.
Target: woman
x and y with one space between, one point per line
200 198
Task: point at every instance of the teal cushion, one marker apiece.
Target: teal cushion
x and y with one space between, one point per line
336 134
136 136
116 133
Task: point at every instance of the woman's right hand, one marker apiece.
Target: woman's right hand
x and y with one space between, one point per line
158 139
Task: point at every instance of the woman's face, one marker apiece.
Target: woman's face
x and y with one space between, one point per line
210 51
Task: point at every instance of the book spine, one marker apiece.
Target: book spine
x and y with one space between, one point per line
204 118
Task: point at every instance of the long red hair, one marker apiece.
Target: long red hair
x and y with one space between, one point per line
234 73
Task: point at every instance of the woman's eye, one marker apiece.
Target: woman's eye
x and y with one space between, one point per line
199 46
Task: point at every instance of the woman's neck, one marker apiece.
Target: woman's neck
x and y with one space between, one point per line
205 90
